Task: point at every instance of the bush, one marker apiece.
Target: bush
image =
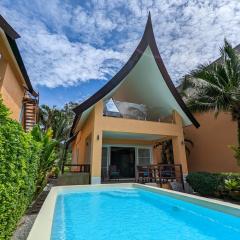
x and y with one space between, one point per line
213 184
204 183
19 163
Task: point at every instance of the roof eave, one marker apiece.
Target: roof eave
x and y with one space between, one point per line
21 65
7 28
12 35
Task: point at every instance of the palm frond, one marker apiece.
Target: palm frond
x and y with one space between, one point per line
215 87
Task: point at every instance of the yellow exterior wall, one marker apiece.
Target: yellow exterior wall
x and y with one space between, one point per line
97 142
12 93
127 142
140 127
11 81
3 67
179 152
211 152
79 144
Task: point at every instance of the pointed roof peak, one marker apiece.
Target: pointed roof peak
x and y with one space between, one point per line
148 32
149 16
149 20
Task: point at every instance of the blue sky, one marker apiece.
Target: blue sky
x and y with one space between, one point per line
73 47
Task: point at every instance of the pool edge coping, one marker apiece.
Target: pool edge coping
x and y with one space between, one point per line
214 204
42 227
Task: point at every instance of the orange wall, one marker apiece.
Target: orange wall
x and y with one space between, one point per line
11 80
211 152
12 92
127 141
79 144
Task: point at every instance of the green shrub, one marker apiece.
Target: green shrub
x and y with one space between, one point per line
213 184
19 163
204 183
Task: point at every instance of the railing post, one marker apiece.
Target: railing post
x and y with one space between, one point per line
181 174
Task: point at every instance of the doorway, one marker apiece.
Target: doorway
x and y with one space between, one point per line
124 160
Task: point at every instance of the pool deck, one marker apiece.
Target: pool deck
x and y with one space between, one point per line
41 229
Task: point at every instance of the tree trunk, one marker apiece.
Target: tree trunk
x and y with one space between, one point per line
238 132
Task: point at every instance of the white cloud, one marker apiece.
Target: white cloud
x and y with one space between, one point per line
64 44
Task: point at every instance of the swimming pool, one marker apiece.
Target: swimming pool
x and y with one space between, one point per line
133 211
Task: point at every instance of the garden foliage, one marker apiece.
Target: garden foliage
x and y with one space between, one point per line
25 160
19 160
214 184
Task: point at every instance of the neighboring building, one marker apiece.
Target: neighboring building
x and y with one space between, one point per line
15 86
138 108
211 151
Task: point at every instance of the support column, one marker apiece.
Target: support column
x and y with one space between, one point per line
96 149
179 151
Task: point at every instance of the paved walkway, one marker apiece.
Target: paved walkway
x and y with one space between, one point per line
26 223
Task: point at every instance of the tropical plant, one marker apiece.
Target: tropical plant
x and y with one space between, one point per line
19 161
223 185
232 184
60 121
47 156
4 112
167 150
46 116
216 87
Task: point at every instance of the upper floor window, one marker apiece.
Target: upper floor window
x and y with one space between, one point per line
111 106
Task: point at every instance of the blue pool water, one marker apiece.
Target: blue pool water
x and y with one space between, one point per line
135 214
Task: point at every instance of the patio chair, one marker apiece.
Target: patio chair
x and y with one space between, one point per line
114 173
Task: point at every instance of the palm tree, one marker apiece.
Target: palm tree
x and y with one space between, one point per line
59 120
46 116
216 87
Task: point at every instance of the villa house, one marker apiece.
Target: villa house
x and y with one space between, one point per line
15 87
122 122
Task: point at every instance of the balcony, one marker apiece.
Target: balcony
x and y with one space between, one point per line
127 110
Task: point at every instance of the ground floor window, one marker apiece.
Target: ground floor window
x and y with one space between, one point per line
144 156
